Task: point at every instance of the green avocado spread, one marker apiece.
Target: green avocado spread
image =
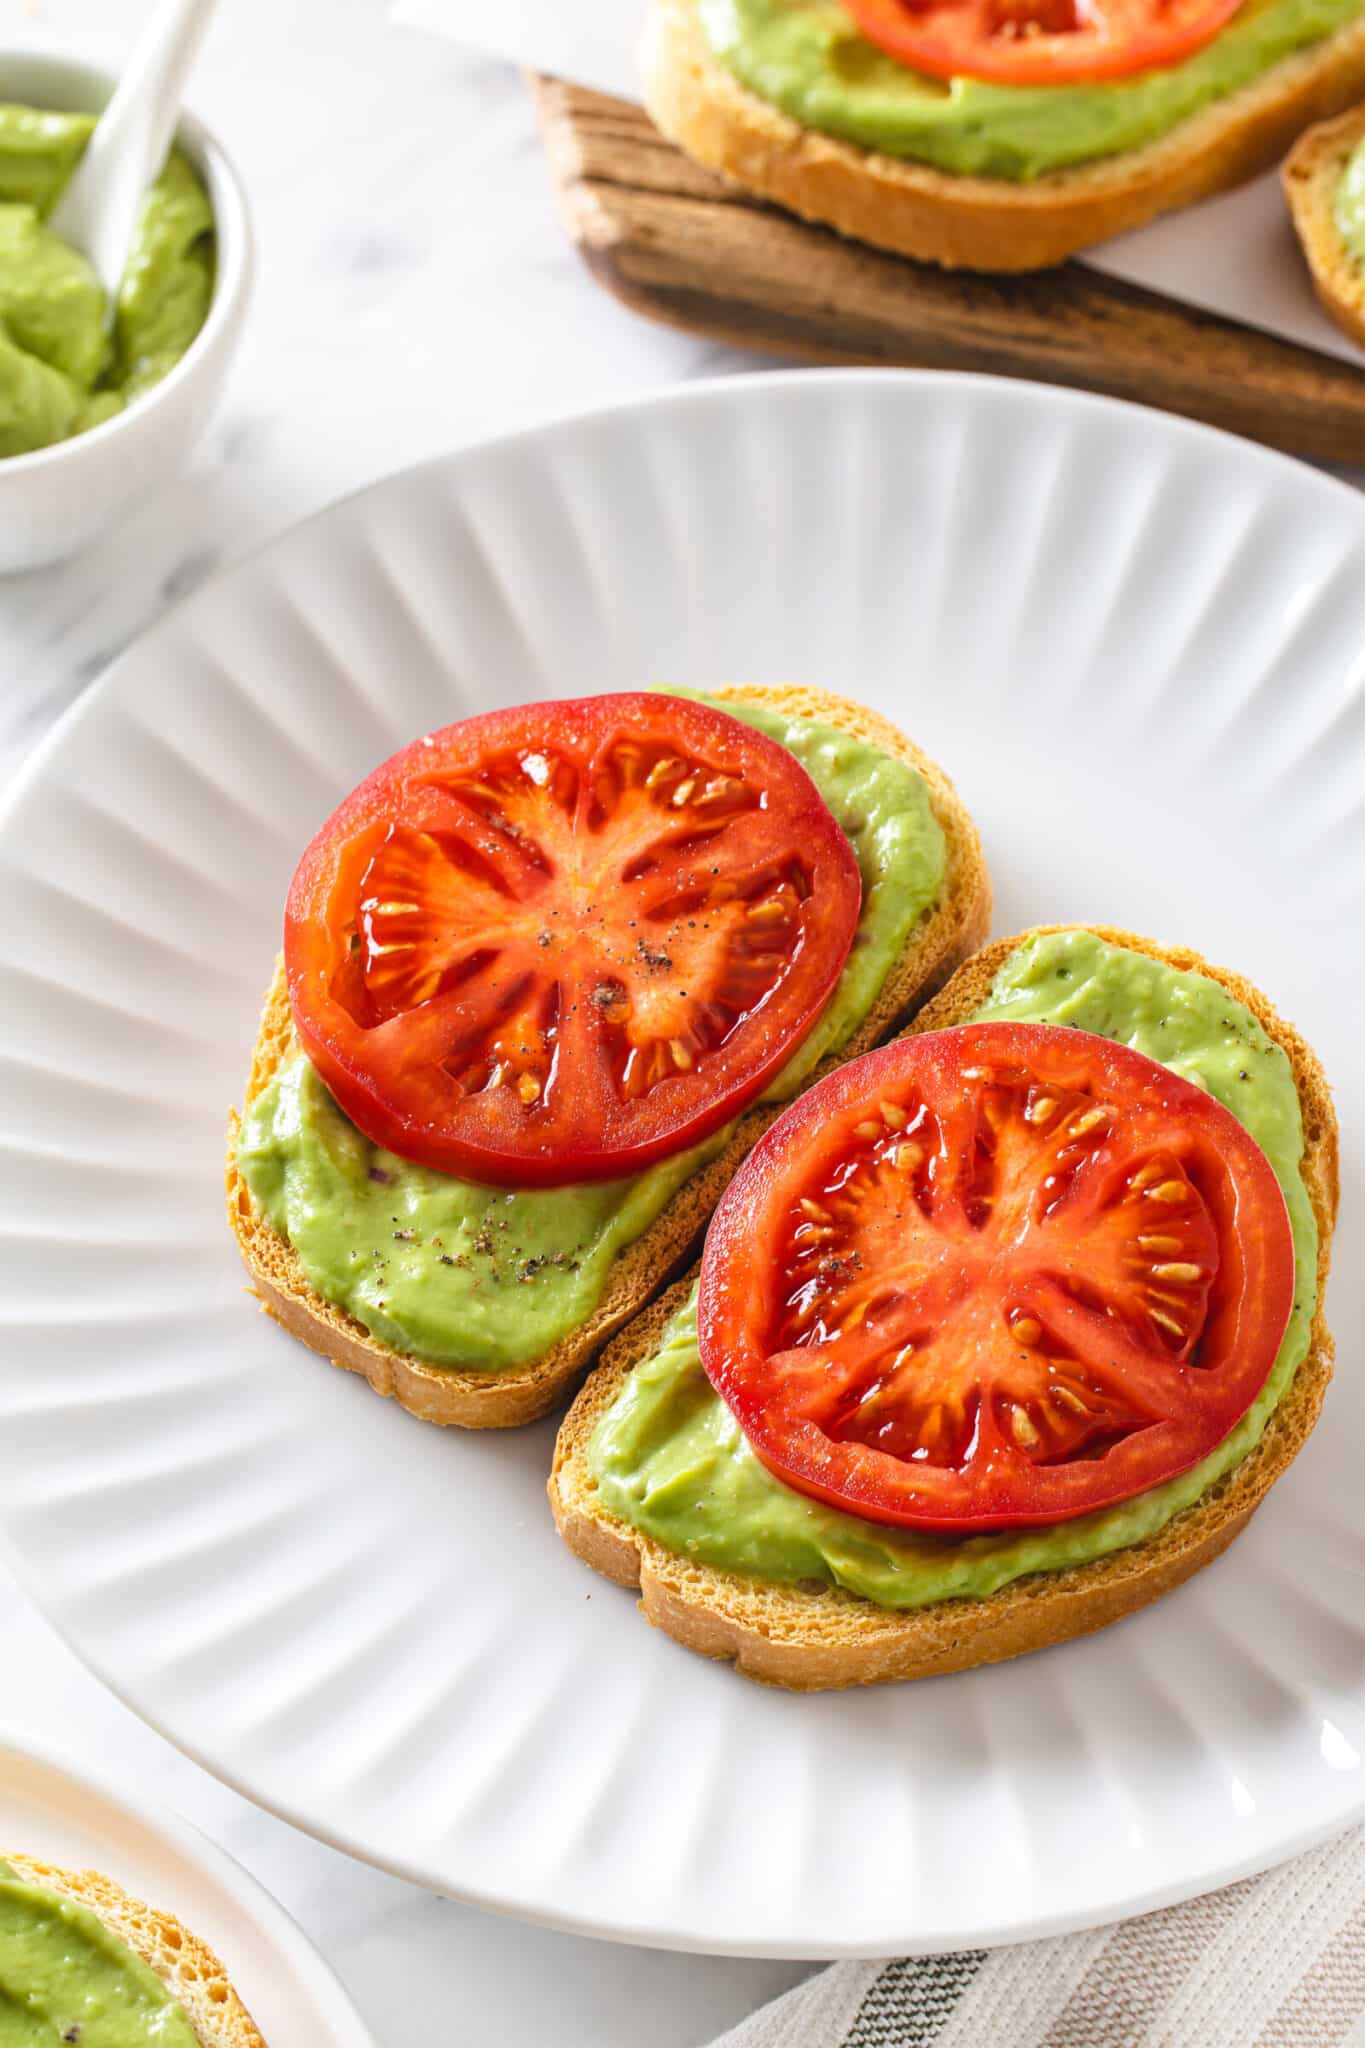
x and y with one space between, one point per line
669 1457
64 1977
1348 204
808 58
60 371
490 1278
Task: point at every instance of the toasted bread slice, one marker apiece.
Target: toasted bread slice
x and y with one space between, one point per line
807 1640
483 1400
1311 175
187 1967
978 223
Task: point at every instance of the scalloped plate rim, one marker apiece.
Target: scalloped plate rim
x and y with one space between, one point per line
691 390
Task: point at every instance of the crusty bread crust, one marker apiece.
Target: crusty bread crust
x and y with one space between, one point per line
807 1640
481 1400
186 1966
980 223
1311 174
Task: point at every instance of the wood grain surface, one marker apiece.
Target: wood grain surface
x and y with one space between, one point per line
680 245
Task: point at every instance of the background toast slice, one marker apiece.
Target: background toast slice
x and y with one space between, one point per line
977 223
1311 174
480 1400
810 1639
187 1967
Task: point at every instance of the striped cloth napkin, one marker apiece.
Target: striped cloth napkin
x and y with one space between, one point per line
1277 1961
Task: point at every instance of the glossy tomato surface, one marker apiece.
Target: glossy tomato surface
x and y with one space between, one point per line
556 943
1040 42
995 1276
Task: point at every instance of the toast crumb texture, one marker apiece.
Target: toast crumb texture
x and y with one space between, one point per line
977 223
475 1400
186 1966
1311 174
809 1640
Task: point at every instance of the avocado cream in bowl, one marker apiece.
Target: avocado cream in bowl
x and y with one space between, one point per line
98 404
63 367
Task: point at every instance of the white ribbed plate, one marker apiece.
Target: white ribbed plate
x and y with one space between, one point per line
51 1810
1138 646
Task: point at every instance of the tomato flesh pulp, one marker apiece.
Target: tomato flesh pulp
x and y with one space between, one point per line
1040 42
554 944
995 1276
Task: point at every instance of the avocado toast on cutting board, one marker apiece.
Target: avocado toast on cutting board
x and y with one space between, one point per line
994 139
1324 181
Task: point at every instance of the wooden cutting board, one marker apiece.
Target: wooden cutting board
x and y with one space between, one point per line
677 244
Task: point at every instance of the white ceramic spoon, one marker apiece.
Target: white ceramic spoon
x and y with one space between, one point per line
99 210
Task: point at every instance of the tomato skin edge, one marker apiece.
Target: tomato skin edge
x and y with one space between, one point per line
1028 62
736 1296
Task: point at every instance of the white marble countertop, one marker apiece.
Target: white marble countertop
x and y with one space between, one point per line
415 290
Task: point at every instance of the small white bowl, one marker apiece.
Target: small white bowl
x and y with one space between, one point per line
56 501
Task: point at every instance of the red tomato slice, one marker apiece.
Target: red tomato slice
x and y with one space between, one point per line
1040 42
553 944
994 1276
